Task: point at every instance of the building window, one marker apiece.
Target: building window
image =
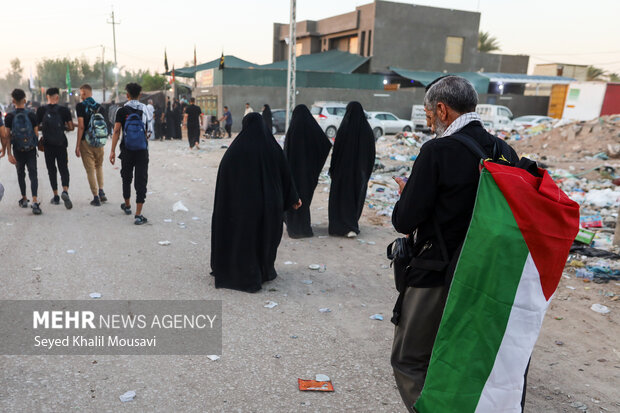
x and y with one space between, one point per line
362 43
369 41
454 49
353 45
298 49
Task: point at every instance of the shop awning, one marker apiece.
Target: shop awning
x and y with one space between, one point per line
481 83
522 78
329 61
229 61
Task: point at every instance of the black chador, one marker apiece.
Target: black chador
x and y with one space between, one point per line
353 159
254 187
306 148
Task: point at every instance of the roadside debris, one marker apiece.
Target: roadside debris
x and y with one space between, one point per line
127 396
178 206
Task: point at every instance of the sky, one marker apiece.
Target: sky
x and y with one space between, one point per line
569 31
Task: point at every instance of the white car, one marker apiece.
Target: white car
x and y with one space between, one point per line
329 116
523 122
392 123
495 117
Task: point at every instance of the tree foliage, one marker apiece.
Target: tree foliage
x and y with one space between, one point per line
595 73
487 43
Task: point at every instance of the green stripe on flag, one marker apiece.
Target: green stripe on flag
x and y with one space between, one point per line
478 305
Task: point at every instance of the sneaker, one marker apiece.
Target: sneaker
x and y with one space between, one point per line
126 208
66 200
102 196
23 203
95 201
140 219
55 200
351 234
36 209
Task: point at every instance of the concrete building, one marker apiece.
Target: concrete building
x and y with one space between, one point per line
400 35
578 72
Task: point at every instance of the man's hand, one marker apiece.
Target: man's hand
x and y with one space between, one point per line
77 151
12 159
297 205
401 183
112 157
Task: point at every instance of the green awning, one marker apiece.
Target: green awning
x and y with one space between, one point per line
481 83
229 61
329 61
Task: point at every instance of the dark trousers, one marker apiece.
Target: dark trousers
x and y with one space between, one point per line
57 155
135 166
228 127
27 159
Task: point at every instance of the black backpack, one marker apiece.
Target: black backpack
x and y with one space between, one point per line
53 127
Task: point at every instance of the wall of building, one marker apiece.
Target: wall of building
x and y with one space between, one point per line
519 105
414 37
501 63
398 102
578 72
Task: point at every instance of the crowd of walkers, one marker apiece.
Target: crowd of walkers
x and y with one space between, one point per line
19 133
260 186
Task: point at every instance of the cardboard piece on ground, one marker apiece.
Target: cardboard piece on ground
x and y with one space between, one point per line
313 385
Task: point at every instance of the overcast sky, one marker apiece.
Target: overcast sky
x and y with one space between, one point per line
569 31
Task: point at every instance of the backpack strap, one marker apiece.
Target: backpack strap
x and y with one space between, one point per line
474 147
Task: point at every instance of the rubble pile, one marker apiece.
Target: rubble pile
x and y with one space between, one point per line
570 141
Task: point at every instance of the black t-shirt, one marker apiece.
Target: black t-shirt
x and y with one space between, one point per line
193 115
83 112
63 111
8 119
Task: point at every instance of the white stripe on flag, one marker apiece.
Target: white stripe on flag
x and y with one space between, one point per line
504 387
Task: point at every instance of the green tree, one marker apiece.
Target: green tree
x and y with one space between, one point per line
487 43
595 73
614 77
153 82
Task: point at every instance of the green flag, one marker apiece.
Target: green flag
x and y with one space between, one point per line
68 80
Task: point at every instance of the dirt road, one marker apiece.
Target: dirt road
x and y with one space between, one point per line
265 350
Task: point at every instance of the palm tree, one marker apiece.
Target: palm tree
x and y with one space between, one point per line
487 43
614 77
595 73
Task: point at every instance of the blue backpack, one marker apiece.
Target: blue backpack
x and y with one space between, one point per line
23 138
134 133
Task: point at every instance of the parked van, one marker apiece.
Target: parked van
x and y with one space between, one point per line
418 118
495 116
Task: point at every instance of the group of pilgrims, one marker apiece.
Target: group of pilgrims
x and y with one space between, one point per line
260 187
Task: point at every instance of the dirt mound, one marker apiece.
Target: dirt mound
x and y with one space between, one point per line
575 140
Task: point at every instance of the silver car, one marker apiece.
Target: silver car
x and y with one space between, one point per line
392 123
329 116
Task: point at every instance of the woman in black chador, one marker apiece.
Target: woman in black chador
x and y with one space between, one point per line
268 118
178 119
254 187
353 159
306 148
169 122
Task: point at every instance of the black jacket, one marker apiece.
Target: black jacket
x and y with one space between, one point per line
443 186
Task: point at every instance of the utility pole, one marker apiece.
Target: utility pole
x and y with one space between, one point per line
103 70
292 60
114 24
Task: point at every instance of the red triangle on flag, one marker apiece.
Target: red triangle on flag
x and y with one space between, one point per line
547 217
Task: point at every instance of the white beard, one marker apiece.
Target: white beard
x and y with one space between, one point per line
440 128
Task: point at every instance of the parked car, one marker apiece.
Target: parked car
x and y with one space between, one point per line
528 121
392 123
495 116
278 118
329 116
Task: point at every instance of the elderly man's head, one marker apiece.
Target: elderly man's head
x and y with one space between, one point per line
447 99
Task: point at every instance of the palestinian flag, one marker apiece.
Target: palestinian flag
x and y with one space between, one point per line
510 265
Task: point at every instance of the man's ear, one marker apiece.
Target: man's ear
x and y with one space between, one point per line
442 111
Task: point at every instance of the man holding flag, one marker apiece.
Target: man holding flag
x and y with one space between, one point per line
483 272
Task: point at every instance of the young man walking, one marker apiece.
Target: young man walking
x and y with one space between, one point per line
92 155
193 119
22 147
134 121
229 121
54 120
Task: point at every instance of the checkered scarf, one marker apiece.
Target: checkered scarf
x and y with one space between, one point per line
460 122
